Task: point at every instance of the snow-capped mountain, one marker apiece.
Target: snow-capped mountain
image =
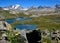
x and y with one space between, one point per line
12 7
15 7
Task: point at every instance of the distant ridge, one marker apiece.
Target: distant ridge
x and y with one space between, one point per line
31 10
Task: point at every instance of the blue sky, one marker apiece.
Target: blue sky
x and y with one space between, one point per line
28 3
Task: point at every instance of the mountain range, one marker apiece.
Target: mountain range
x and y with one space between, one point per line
33 10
